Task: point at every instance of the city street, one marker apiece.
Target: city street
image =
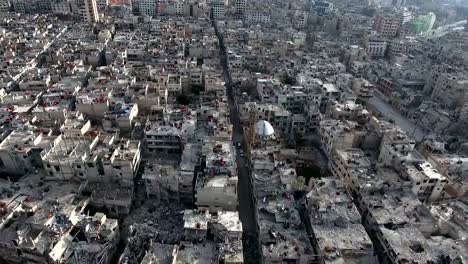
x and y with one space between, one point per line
389 112
247 211
245 195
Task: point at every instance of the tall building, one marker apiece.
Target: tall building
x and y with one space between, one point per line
148 7
323 7
63 7
179 8
19 6
30 6
450 89
388 26
216 8
240 7
376 47
42 6
89 11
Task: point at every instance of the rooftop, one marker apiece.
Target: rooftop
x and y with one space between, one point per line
419 172
354 158
196 253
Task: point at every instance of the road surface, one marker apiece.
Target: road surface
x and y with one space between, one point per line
247 210
389 112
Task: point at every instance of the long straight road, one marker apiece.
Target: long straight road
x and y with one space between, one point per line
247 210
389 112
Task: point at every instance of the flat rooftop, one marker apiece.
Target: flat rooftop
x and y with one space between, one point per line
408 244
354 158
397 207
422 171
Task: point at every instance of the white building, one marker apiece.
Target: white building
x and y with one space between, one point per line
121 117
329 93
72 157
168 137
396 147
428 183
89 11
17 153
224 224
179 8
217 12
216 187
376 47
92 104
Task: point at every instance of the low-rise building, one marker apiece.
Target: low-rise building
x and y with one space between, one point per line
216 193
336 225
363 88
19 153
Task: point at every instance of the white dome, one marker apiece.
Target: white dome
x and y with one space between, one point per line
264 129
